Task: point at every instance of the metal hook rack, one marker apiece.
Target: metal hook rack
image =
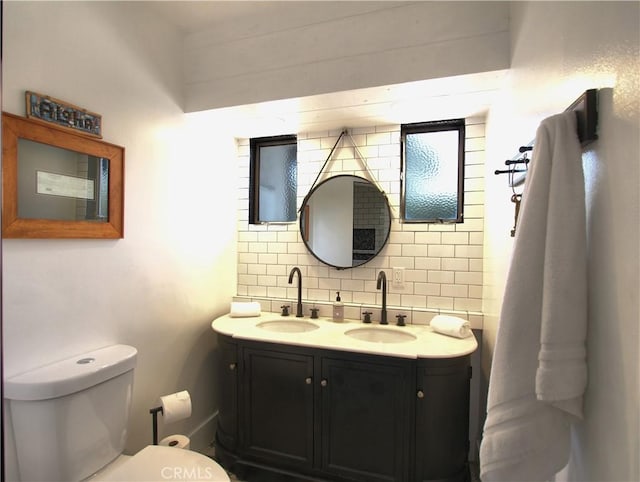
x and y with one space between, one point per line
586 110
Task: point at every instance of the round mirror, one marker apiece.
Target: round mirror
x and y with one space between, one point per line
345 221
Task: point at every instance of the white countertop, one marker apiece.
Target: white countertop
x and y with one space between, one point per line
331 335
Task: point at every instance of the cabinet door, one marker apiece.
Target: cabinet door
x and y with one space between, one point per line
227 393
365 434
442 420
277 413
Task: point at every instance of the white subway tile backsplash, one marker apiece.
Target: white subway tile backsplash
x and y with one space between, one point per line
414 250
427 264
471 278
455 264
466 304
247 258
473 224
443 262
473 158
247 279
455 238
468 251
476 238
474 184
257 247
475 292
412 275
401 237
406 262
473 198
267 258
440 302
472 212
378 138
441 276
288 259
267 280
441 251
257 269
475 265
276 270
309 144
430 289
455 291
256 290
277 248
429 238
474 144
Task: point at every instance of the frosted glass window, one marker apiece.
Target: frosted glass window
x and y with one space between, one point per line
433 171
274 180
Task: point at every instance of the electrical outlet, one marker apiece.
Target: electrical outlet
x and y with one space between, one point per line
397 277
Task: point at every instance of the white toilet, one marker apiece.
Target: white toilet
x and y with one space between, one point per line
70 424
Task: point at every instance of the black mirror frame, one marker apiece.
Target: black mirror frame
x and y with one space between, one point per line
304 226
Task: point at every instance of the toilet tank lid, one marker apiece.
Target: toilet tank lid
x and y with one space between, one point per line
72 374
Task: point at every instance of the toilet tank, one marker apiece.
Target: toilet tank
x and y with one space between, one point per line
70 417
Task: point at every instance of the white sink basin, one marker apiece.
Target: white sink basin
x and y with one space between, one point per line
288 326
380 335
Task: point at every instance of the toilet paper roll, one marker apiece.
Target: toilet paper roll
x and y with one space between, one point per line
177 441
176 406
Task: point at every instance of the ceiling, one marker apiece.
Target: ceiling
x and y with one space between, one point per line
434 99
422 101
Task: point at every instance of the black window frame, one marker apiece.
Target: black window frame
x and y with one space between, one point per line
254 173
434 126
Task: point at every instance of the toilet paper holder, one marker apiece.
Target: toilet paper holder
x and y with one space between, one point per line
154 414
173 407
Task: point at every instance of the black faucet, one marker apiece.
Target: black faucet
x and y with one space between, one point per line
382 283
299 305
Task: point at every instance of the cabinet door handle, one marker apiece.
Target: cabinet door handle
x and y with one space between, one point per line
420 394
323 382
232 366
307 380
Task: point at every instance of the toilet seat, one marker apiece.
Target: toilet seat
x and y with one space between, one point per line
159 463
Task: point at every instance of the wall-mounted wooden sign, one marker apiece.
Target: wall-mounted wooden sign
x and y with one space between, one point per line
63 114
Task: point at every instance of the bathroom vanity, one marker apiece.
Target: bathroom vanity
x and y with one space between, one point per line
316 400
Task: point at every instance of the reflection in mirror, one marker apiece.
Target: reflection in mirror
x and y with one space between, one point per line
56 183
345 221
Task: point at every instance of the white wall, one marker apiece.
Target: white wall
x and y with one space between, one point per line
326 47
558 51
158 288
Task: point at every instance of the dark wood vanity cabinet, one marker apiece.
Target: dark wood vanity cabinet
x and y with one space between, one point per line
364 428
325 415
277 407
227 368
442 419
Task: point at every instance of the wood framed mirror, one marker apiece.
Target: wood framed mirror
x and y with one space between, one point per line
58 184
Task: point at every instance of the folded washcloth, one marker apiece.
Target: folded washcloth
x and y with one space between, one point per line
451 325
244 309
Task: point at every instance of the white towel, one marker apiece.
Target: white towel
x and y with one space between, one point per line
244 309
451 325
539 369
